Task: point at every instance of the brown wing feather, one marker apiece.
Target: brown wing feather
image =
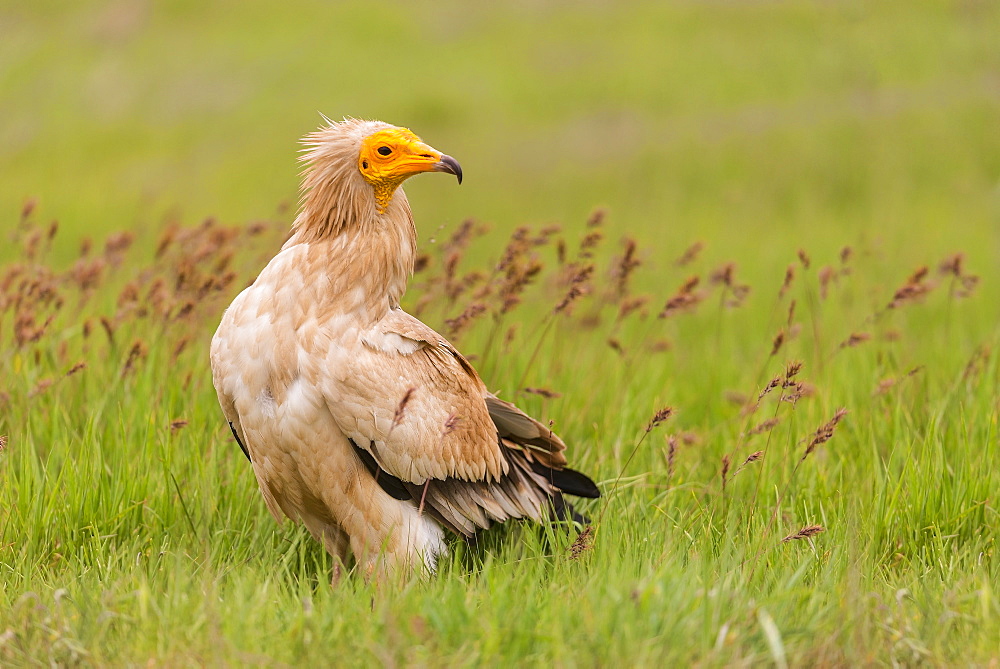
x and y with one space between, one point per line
443 428
464 456
520 428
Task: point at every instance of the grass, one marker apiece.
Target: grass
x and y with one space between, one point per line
774 134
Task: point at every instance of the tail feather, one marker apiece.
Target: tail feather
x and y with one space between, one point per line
568 480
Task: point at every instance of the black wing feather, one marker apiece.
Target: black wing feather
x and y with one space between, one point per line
389 483
242 447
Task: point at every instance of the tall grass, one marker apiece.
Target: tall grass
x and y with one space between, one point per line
819 495
799 220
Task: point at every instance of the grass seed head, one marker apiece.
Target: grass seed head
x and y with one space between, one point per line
671 455
771 385
685 298
855 339
624 267
460 322
789 279
596 218
690 254
658 418
543 392
779 339
765 426
806 532
582 544
824 432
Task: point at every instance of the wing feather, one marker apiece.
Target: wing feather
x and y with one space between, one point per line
426 427
413 402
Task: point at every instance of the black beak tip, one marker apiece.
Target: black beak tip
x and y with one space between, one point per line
451 166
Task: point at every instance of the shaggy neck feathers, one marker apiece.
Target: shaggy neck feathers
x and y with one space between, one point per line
366 255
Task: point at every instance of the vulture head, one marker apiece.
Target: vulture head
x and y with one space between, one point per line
354 169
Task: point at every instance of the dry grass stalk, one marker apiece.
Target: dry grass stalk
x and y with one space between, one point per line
76 368
577 288
885 385
855 339
27 208
736 397
786 285
41 387
422 262
3 442
177 424
796 391
771 385
915 287
616 346
658 418
623 268
963 284
136 353
726 277
690 254
597 218
806 532
109 330
400 412
685 298
660 346
460 322
583 543
804 259
516 247
764 426
510 335
724 471
589 242
888 383
179 348
628 305
779 339
824 432
756 456
543 392
827 275
977 363
671 455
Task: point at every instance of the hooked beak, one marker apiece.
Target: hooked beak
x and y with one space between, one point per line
448 165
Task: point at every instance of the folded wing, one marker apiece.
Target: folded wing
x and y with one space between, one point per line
426 428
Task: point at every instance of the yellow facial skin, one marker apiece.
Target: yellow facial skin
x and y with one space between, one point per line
389 157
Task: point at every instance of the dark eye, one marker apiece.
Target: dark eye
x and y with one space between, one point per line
384 150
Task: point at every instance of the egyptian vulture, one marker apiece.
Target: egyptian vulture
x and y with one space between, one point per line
359 420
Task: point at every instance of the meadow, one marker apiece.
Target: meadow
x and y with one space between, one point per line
744 256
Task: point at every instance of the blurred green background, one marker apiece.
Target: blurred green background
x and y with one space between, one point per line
756 126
